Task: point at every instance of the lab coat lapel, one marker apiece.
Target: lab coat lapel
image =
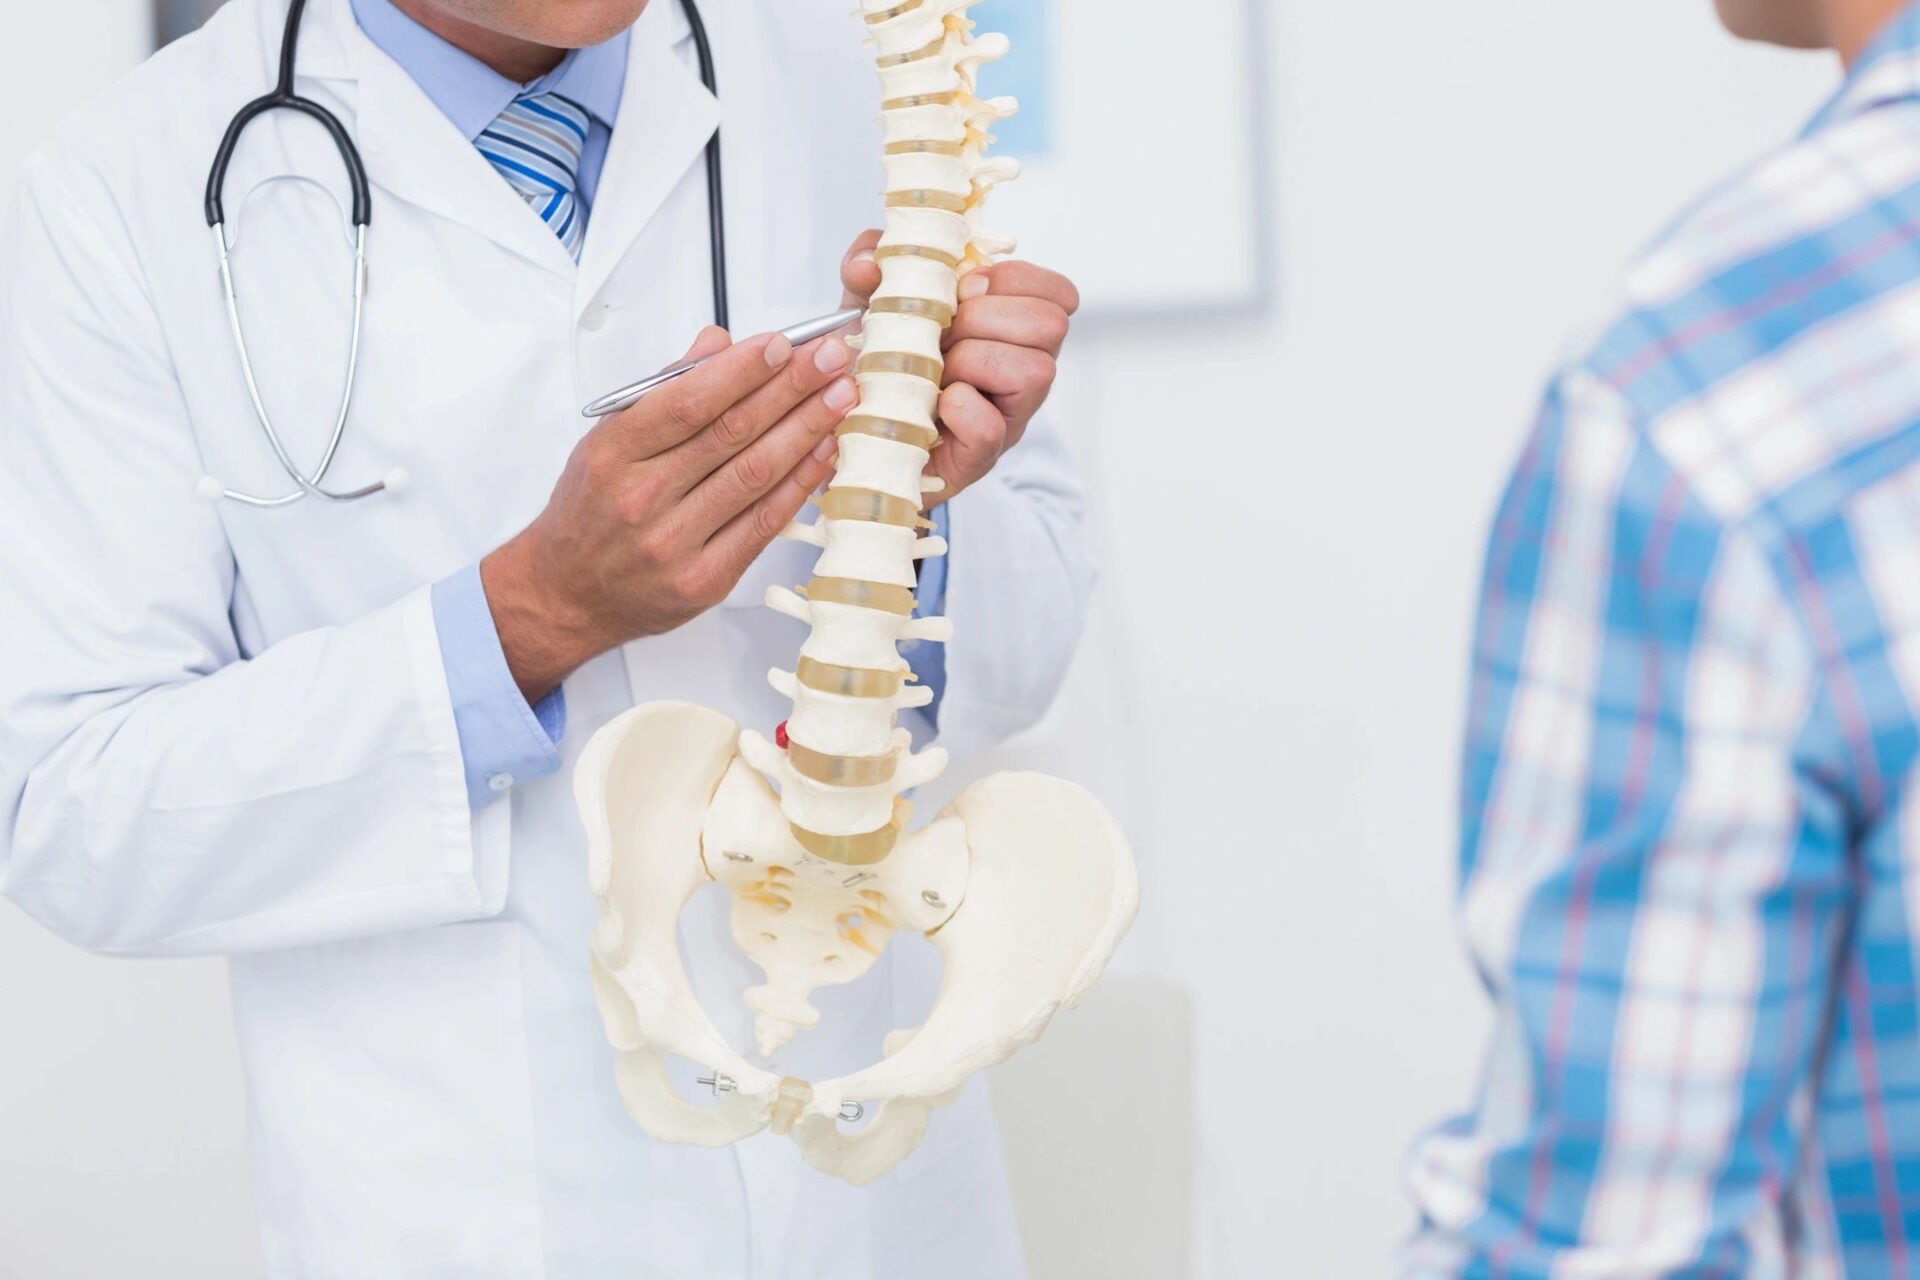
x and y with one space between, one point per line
413 153
666 117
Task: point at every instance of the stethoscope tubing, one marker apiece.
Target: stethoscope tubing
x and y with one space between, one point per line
283 98
716 197
309 484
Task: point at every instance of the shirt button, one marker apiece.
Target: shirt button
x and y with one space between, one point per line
500 781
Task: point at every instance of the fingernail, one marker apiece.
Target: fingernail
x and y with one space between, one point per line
831 356
865 255
841 394
827 447
974 286
779 351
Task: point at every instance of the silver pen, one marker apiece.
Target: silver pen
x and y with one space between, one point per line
628 396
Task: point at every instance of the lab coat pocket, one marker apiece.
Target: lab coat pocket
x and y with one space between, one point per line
391 1106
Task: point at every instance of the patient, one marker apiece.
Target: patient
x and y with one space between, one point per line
1691 823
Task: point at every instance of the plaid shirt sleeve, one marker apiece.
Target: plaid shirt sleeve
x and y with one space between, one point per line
1654 875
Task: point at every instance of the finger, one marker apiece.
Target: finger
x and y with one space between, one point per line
684 407
1022 280
740 541
749 475
859 272
1024 322
974 435
740 424
1016 379
711 342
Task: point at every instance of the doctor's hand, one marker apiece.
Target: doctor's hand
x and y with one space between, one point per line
663 506
1001 349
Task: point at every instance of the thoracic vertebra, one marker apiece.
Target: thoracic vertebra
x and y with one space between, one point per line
846 762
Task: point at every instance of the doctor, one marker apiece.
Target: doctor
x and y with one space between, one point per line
333 740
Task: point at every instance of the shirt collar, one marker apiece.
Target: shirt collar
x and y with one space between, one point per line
472 94
1887 70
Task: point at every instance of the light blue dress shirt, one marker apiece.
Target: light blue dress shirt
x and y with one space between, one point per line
929 660
503 741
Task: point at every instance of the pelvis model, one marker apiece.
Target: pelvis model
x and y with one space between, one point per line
1024 883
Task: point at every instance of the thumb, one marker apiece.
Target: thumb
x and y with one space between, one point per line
859 273
712 341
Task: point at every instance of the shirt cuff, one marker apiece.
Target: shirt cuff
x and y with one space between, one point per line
503 741
929 660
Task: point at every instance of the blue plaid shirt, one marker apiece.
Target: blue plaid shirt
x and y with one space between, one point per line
1691 831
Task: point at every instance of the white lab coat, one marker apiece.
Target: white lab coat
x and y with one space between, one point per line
225 730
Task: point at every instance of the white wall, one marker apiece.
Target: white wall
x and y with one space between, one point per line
1294 510
1292 506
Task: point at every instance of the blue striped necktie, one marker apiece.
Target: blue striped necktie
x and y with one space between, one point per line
535 144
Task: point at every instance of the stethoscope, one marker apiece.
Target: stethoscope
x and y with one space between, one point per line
284 98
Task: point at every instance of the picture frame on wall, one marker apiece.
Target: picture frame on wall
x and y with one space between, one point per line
1143 146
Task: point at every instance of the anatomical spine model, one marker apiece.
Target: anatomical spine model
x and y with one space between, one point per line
1023 883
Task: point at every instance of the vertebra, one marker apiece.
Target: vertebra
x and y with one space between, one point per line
848 762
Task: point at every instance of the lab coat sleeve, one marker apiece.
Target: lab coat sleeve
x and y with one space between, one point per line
159 793
1018 576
